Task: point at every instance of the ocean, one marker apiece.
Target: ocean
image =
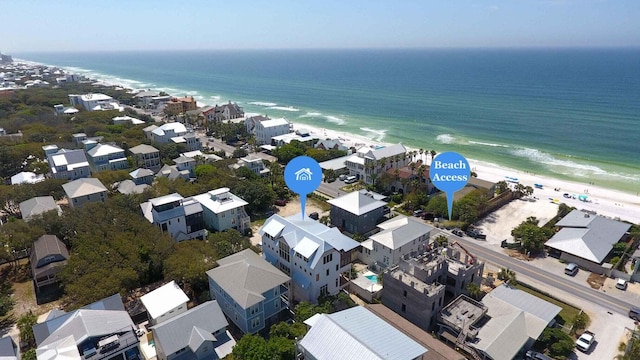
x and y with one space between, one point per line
571 114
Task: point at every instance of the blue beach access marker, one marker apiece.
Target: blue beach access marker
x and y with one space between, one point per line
303 175
449 172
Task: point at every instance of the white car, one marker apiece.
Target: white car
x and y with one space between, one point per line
621 284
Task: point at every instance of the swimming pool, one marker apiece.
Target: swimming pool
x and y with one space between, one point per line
373 278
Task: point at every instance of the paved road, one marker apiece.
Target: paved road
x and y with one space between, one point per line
553 280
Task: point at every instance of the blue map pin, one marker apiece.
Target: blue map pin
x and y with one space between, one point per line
449 172
303 175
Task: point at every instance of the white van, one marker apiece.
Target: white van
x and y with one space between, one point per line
350 179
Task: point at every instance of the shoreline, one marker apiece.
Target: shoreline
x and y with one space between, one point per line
605 201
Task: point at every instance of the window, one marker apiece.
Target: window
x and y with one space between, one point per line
255 322
327 272
337 282
404 293
254 309
433 306
327 258
284 250
324 291
336 267
164 226
276 291
317 277
403 308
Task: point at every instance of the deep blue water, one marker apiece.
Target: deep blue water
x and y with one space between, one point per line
568 113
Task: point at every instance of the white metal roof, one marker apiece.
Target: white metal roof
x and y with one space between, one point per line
220 200
357 203
306 247
165 199
163 299
104 150
274 122
355 334
83 187
399 231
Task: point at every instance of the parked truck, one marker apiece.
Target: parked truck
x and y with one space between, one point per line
585 341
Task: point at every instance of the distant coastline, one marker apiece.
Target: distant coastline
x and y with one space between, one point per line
547 154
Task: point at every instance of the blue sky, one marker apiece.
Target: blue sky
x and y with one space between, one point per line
64 25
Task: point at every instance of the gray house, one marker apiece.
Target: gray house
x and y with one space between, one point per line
199 333
99 331
416 288
356 212
37 206
251 292
48 256
82 191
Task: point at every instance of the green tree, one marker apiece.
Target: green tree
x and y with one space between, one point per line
508 276
438 206
258 194
228 242
557 341
189 262
474 291
580 322
29 355
252 347
287 152
530 235
441 240
25 325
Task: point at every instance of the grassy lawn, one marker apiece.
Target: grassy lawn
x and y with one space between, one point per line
568 312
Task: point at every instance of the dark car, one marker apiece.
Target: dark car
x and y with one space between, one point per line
457 232
634 313
281 202
534 355
314 216
418 212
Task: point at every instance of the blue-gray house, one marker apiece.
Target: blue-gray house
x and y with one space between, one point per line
251 292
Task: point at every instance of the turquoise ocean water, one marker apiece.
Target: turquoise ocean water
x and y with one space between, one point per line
567 113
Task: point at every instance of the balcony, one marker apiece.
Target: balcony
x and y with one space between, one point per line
124 343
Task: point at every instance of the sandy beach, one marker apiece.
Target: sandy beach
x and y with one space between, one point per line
611 203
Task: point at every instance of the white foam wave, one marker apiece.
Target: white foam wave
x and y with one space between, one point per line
311 114
445 138
335 120
283 108
569 167
488 144
262 103
215 97
374 134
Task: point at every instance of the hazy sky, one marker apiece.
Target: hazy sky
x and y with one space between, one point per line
64 25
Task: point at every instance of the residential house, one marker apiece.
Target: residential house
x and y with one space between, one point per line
587 239
253 163
47 258
406 176
416 287
171 172
199 333
506 323
65 110
99 331
78 138
330 144
177 106
9 350
356 333
164 303
314 255
299 136
228 112
174 132
142 176
82 191
222 210
148 131
398 236
180 217
356 212
128 187
68 164
184 163
251 292
191 141
250 122
95 102
145 98
38 206
105 157
147 157
267 129
26 177
369 163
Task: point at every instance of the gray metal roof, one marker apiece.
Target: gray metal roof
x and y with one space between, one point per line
47 245
357 203
83 324
587 236
143 149
8 349
83 187
42 330
182 330
245 276
399 231
533 305
503 336
357 333
38 205
70 156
